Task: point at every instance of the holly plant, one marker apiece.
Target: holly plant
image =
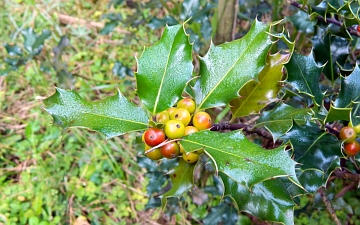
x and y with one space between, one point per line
284 137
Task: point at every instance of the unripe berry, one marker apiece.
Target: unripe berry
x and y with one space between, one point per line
181 115
190 130
174 129
188 104
162 117
202 121
347 134
190 157
155 154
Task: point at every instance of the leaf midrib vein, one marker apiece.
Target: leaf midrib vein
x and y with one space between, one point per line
226 74
163 76
115 118
216 149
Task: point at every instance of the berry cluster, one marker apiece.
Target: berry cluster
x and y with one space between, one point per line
176 123
348 135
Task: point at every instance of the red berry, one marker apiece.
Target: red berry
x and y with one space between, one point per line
351 149
154 136
170 150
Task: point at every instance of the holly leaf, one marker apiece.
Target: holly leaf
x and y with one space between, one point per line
310 179
181 180
313 148
349 95
112 116
280 119
337 114
223 213
268 200
13 50
351 15
330 51
303 74
34 43
164 69
323 8
227 67
156 180
255 95
302 22
240 159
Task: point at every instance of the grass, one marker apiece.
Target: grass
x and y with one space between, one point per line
51 176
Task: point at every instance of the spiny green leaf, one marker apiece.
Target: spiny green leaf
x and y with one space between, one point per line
337 114
156 181
350 10
268 200
240 159
34 43
313 148
164 69
331 51
349 95
112 116
302 22
256 95
181 180
279 120
13 50
311 180
227 67
224 213
303 74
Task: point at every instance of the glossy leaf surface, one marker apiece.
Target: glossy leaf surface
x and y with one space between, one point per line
279 120
308 142
227 67
164 69
255 95
34 43
112 116
181 180
302 22
303 74
330 51
337 114
240 159
224 213
349 95
268 200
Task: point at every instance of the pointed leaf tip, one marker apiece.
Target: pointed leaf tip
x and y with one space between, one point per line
112 116
240 159
164 70
227 67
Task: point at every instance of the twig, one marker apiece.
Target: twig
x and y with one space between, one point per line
345 174
345 190
351 30
332 130
237 126
65 19
158 146
329 207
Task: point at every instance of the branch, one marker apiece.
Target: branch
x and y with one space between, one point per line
246 128
329 207
351 30
345 174
332 130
